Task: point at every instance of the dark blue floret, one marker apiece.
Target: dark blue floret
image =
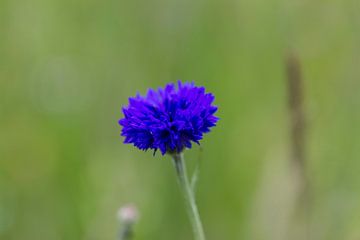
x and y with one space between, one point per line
168 119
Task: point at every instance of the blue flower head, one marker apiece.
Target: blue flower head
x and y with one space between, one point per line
168 119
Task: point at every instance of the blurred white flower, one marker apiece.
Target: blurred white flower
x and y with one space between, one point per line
128 214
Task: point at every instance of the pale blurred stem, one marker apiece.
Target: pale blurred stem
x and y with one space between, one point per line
125 232
188 195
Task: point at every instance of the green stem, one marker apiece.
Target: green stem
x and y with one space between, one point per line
125 232
188 195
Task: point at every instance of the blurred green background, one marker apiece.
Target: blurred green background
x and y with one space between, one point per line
67 67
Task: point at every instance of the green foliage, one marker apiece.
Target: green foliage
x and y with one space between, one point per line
67 67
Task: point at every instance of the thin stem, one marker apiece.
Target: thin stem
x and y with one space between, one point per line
125 232
188 195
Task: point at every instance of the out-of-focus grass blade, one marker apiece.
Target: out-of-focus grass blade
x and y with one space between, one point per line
195 174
